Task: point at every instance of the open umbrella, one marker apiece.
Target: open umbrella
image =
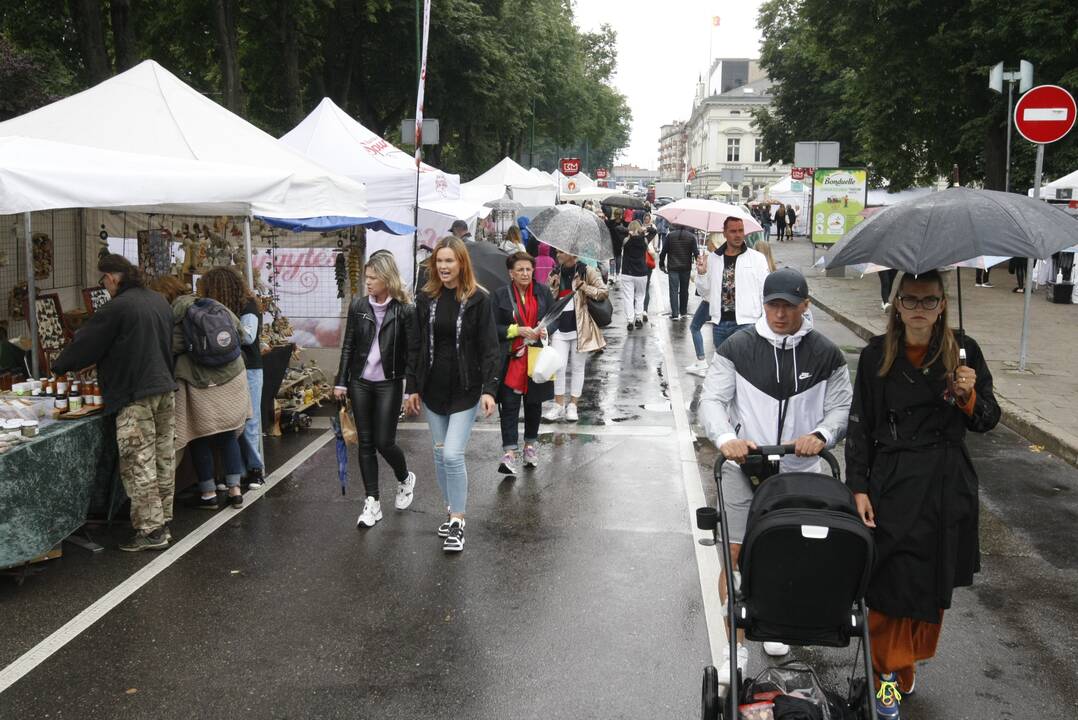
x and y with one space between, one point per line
706 215
488 264
504 205
574 230
956 226
624 201
342 453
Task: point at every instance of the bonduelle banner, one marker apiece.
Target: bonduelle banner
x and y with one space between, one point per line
839 196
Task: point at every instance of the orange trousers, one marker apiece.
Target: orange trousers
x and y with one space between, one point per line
898 643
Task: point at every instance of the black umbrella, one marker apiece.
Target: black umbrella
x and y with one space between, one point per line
488 264
624 201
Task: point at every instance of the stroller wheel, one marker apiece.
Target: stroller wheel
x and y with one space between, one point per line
710 703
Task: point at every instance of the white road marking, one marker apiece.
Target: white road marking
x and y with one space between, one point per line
107 602
707 559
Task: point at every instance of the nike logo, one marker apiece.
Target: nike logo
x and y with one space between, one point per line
804 376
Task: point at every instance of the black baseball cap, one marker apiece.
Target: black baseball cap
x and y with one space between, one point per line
786 284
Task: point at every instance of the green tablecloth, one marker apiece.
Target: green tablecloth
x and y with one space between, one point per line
47 485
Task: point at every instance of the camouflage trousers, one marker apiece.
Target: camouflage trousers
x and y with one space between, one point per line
144 434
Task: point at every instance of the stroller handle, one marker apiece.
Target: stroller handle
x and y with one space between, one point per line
788 449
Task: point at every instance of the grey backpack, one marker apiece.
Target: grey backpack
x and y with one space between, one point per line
211 337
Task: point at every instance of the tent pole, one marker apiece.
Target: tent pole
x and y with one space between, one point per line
31 300
249 262
415 222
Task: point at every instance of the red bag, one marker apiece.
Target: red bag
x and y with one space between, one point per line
649 259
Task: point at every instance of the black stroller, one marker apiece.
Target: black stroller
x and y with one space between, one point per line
805 565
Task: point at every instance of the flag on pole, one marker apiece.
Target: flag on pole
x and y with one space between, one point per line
422 85
714 20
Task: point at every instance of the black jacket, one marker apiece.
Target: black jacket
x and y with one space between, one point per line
679 250
504 316
906 448
618 233
480 355
398 341
129 338
633 261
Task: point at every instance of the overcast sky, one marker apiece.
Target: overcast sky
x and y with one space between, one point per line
662 49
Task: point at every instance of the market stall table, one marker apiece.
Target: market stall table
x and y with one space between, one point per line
48 485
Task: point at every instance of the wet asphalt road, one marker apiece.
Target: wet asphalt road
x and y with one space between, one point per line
577 596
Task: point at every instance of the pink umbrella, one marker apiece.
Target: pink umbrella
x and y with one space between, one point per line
706 215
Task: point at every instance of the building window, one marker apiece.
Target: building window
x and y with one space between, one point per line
735 112
733 150
759 155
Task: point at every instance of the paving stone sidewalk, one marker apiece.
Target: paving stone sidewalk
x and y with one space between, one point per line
1042 404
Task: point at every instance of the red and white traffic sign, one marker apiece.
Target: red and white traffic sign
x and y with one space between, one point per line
1045 114
570 166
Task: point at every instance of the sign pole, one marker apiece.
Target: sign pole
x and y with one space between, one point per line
1024 347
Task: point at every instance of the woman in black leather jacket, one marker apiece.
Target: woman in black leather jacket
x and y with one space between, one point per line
378 354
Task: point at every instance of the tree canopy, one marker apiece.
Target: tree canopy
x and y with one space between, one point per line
505 77
903 84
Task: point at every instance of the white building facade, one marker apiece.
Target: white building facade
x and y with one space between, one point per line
725 154
673 141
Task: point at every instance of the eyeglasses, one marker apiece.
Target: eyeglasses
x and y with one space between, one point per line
928 303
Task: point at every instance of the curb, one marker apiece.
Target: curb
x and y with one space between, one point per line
1061 444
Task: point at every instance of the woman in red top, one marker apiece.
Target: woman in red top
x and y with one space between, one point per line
518 307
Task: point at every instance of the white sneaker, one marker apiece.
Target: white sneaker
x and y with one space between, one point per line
776 649
698 368
405 492
372 513
742 662
554 413
570 413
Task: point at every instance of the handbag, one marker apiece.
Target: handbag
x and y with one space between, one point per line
601 311
650 260
348 423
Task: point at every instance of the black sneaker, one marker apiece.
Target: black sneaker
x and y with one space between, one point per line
255 479
639 323
454 540
443 529
142 540
208 503
629 326
235 500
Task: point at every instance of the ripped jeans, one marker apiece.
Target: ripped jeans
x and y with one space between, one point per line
450 434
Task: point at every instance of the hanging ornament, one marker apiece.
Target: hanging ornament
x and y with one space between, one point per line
339 273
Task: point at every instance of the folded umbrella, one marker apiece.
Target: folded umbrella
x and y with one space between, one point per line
342 453
574 230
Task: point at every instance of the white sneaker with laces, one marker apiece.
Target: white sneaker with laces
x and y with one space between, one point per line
405 492
570 413
742 663
776 649
372 513
554 413
698 368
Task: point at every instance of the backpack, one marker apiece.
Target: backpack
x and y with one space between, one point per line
211 336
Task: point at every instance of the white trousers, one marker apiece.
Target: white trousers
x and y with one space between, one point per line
632 296
572 359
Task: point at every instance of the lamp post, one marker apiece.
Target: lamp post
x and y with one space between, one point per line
1024 77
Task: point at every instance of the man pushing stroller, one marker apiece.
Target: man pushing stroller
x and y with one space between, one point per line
777 382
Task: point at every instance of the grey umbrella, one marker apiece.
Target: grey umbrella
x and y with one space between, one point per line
624 201
955 225
504 205
574 230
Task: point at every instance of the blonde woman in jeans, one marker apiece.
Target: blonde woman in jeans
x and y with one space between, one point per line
575 335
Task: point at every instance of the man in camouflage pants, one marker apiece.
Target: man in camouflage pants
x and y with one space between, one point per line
130 340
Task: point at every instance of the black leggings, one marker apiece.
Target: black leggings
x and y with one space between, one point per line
376 406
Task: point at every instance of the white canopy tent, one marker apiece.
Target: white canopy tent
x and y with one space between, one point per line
797 193
1068 184
507 177
333 139
579 188
148 110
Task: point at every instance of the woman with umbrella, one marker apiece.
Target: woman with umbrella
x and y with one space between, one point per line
518 308
576 333
634 268
618 233
920 387
456 372
378 355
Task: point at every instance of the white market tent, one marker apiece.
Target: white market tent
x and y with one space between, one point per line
785 191
333 139
45 175
148 110
507 177
1067 182
579 188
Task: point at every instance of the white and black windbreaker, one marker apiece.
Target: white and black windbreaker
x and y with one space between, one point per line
759 380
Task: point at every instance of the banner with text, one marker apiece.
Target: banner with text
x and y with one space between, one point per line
839 196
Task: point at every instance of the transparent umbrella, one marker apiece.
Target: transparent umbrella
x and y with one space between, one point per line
574 230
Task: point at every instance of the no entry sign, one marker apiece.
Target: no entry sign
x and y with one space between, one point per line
1045 114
